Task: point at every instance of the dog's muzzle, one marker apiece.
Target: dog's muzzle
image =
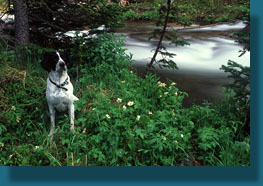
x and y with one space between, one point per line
62 66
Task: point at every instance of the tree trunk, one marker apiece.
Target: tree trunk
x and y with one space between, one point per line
161 37
21 22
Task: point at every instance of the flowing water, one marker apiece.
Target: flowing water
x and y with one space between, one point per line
199 63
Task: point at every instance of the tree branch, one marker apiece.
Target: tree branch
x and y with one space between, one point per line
161 37
37 18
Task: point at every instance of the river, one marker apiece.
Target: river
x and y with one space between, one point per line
198 63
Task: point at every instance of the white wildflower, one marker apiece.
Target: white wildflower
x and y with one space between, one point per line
176 93
173 83
18 120
119 100
138 118
13 108
124 107
10 156
122 82
182 135
161 84
166 93
130 103
108 116
36 147
164 138
150 113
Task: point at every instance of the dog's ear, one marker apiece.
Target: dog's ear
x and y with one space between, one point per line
67 59
49 61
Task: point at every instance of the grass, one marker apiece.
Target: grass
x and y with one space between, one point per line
121 119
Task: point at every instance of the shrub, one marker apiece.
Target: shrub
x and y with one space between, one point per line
130 14
238 93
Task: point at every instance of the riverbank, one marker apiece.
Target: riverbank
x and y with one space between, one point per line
200 87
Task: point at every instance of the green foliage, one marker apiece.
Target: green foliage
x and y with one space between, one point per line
162 19
131 14
28 56
240 87
103 49
215 134
121 119
188 12
148 15
243 37
128 15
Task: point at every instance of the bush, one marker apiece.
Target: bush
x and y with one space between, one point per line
130 14
95 51
239 89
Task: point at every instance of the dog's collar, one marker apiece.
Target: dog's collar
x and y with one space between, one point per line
61 85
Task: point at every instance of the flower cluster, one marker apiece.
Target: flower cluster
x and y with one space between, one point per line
161 84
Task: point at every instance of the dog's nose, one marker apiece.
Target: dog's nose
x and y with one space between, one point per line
62 65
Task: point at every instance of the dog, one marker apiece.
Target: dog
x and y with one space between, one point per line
59 91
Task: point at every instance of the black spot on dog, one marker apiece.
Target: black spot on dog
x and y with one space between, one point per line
66 58
49 61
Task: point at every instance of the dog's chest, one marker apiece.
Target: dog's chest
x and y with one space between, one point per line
60 99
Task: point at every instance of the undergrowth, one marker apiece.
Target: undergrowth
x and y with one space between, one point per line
121 119
190 12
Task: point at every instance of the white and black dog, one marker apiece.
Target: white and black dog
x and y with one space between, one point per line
59 92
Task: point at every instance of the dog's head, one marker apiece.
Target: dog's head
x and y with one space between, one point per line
56 61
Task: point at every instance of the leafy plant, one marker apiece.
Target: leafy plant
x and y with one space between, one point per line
130 14
240 87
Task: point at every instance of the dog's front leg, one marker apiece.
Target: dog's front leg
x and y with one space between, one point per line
52 113
72 117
